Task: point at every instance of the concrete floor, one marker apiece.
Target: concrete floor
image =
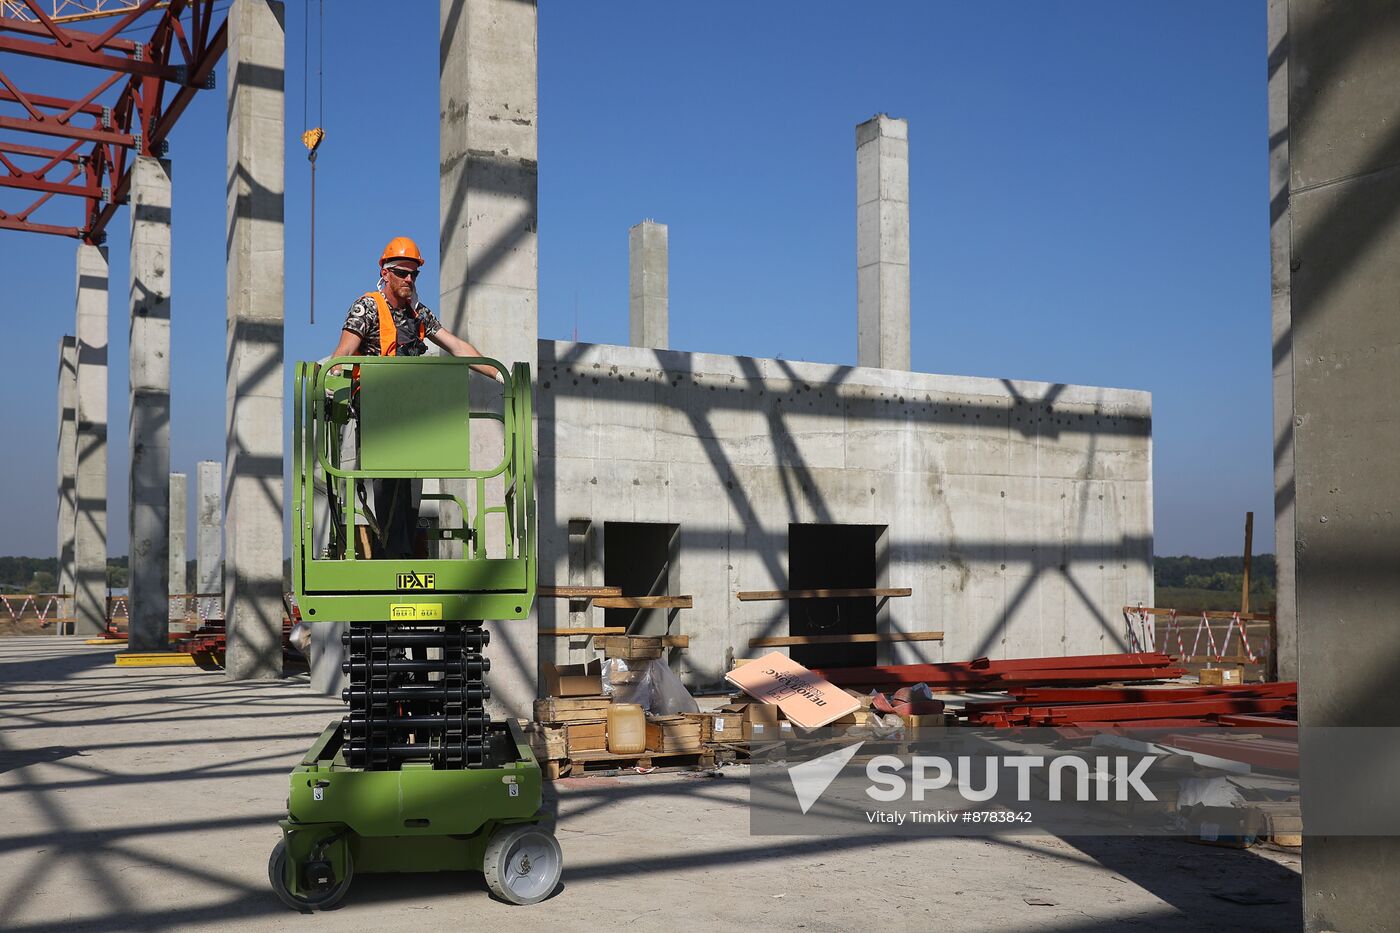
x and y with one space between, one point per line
146 800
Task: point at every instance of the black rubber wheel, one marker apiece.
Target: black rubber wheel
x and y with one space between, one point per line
523 863
276 874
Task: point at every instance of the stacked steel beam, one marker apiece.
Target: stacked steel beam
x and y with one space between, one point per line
1144 707
988 674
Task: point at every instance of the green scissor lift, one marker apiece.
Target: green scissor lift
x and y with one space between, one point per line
417 777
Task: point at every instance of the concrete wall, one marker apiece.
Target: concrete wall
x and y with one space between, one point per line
253 383
148 435
1280 254
1020 513
90 521
488 151
67 460
1344 215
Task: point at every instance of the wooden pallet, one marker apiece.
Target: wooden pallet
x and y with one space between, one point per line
601 763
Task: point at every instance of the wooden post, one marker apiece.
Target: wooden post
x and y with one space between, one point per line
1248 544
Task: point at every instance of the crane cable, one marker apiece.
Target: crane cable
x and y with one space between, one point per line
312 137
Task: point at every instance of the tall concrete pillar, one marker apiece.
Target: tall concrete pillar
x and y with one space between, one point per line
488 95
90 520
179 522
1281 242
882 243
209 526
67 466
649 284
148 598
253 529
1344 215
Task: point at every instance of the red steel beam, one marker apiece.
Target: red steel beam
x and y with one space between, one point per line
75 55
12 223
40 152
1043 696
1124 712
1246 721
51 187
198 76
63 35
1144 659
1273 754
92 134
1088 675
64 105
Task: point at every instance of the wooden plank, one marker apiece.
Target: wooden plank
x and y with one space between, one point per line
879 592
577 592
644 602
571 709
572 632
779 641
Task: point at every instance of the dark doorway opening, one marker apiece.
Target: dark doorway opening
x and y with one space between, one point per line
640 557
830 557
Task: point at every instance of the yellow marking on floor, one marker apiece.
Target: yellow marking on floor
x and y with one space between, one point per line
155 659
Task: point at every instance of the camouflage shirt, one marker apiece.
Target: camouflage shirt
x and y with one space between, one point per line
363 319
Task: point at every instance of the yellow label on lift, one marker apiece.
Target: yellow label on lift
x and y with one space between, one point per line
417 581
415 612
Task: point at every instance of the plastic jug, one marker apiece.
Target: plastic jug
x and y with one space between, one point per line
627 729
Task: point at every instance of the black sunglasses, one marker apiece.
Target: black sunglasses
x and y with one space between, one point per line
404 273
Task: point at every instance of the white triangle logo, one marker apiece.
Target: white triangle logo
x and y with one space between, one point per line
811 778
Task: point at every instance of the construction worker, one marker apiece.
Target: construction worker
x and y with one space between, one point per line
391 321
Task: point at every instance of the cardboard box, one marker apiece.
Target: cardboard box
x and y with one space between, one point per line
586 736
673 734
923 725
1222 676
572 680
860 717
806 699
632 647
768 731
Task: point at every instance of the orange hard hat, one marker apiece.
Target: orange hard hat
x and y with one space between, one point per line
401 247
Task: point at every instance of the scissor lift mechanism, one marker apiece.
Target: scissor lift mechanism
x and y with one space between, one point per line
417 777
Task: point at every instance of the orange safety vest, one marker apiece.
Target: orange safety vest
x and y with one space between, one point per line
388 331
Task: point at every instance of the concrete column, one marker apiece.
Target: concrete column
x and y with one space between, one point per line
90 520
148 599
209 526
488 91
1281 242
179 521
253 530
67 466
649 284
1344 215
882 243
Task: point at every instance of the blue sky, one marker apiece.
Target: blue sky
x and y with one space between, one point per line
1089 201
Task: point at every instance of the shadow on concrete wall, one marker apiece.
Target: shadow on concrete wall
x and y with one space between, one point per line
1031 417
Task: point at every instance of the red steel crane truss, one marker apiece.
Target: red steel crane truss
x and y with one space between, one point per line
96 139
